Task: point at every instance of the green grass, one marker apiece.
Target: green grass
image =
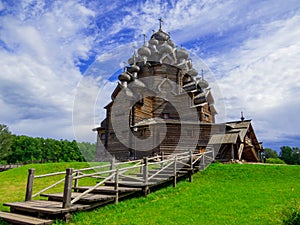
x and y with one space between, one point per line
13 182
222 194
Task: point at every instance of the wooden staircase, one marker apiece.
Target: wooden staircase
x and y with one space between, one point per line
116 182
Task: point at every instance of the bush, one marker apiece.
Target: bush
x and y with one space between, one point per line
275 161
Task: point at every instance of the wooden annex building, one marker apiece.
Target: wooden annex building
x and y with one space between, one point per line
175 82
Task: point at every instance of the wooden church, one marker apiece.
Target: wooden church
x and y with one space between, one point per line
177 109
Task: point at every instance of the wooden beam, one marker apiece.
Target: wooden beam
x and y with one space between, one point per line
29 187
68 188
175 172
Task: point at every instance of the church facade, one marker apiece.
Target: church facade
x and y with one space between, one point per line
161 105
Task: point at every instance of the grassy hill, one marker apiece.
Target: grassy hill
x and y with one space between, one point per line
222 194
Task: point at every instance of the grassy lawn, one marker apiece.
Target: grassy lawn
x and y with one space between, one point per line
13 182
222 194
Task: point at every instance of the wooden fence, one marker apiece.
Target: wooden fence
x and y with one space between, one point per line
144 173
8 167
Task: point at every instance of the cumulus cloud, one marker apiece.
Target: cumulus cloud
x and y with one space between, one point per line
39 76
261 79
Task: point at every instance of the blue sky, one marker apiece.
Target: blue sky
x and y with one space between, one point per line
57 59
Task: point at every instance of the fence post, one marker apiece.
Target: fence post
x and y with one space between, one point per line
68 188
162 159
117 186
76 181
112 164
175 172
145 176
203 161
29 186
191 166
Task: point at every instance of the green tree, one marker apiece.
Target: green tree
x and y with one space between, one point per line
5 142
286 154
296 155
270 153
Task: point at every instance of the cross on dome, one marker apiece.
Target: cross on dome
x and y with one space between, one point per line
160 23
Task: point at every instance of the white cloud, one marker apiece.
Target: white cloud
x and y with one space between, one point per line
262 79
39 77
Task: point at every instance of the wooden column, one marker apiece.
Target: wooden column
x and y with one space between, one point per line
162 156
112 164
213 153
191 166
76 181
68 188
29 187
162 159
203 161
232 151
145 176
175 172
117 186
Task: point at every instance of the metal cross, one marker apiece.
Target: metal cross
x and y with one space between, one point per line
160 22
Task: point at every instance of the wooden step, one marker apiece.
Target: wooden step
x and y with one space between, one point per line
44 207
153 180
86 199
107 189
130 184
21 219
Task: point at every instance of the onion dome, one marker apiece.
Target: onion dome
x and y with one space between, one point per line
133 68
153 49
171 43
202 83
153 41
131 60
193 72
165 48
124 76
144 51
160 36
182 53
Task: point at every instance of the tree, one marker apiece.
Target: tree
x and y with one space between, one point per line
286 154
296 155
270 153
5 142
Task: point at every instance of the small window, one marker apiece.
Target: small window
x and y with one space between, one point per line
103 136
165 115
206 116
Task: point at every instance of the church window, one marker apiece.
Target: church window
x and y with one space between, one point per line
103 136
165 115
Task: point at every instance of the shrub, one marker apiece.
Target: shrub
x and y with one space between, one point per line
275 161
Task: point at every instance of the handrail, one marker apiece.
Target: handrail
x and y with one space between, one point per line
49 174
160 170
47 188
163 162
93 188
